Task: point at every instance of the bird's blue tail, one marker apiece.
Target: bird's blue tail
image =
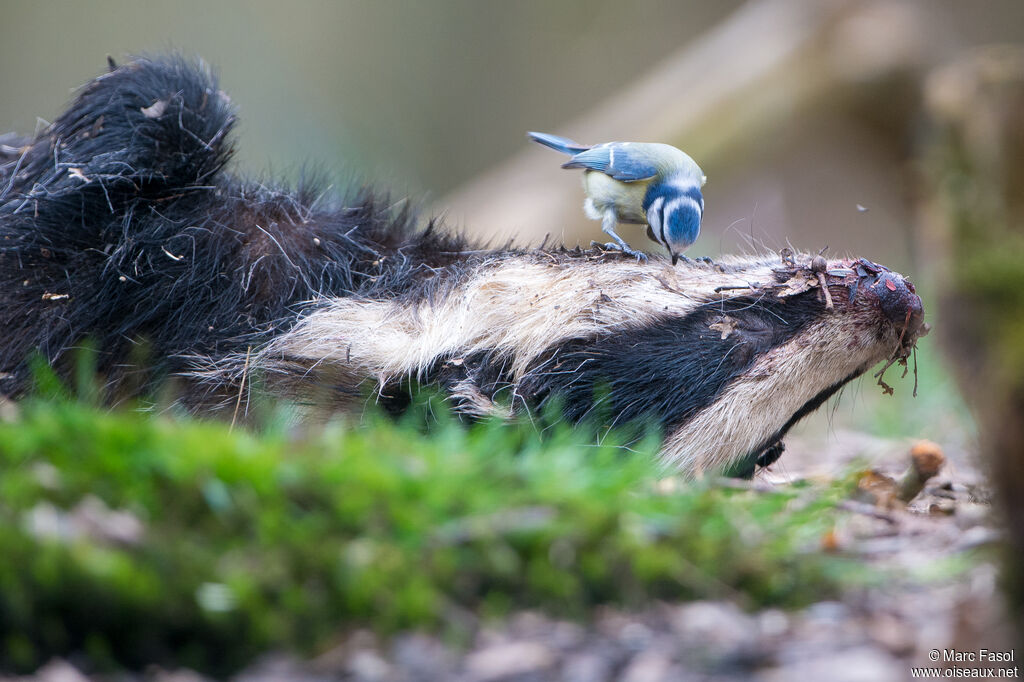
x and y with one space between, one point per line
559 144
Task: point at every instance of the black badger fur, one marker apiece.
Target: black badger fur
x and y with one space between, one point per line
118 223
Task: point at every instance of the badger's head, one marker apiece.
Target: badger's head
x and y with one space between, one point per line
725 358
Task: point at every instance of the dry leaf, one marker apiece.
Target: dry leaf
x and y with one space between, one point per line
724 324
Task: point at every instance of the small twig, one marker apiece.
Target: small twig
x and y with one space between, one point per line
915 371
819 266
720 289
241 388
886 388
824 287
903 332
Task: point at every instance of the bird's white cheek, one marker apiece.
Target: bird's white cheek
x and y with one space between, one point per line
654 219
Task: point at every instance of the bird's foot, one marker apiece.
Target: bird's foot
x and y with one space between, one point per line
640 256
691 261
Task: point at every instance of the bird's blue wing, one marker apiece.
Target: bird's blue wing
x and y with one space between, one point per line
617 160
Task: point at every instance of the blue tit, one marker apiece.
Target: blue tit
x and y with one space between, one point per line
638 182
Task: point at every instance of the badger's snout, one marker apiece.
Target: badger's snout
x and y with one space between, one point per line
889 293
901 305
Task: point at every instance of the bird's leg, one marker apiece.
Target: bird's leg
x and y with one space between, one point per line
608 226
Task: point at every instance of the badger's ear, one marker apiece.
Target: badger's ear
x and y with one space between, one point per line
142 130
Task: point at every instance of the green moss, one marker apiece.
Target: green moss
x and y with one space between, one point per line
256 541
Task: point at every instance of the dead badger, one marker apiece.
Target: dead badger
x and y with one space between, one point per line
119 224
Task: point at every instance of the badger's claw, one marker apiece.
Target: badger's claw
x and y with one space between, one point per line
771 454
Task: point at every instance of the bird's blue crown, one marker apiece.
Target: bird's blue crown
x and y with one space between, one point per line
673 190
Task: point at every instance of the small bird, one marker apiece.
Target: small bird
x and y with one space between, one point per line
638 182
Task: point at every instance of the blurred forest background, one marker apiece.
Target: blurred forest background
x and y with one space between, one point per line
797 111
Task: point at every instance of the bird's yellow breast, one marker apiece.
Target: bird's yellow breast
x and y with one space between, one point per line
626 197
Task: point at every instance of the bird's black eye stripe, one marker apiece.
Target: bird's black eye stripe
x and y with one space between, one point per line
656 219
